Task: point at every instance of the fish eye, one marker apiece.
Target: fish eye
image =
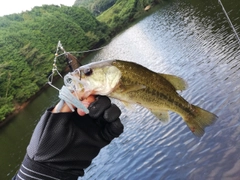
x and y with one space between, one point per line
88 72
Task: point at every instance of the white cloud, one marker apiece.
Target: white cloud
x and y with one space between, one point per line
17 6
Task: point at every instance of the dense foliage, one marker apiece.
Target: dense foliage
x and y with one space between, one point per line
95 6
123 12
28 44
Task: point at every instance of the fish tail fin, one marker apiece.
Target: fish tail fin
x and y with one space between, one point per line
199 120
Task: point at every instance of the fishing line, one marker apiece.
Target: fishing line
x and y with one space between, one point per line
230 22
60 47
80 52
66 94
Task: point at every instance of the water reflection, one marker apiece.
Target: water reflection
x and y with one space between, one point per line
196 43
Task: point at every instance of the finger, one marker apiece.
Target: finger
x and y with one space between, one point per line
63 108
113 130
86 103
97 108
116 127
112 113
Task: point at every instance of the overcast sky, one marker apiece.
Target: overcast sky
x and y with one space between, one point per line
17 6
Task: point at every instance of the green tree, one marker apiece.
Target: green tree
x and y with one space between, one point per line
28 44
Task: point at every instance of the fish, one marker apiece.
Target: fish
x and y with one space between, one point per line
132 83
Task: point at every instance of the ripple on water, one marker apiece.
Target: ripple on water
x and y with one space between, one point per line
193 42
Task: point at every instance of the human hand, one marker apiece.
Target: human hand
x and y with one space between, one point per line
107 117
66 143
104 112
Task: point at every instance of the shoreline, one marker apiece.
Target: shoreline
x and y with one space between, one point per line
20 107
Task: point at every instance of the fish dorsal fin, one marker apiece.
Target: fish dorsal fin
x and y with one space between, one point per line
177 82
162 115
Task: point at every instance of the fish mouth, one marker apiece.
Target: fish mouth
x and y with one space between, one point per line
73 83
79 87
73 79
97 78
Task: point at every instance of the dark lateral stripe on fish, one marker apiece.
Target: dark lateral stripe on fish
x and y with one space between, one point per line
162 96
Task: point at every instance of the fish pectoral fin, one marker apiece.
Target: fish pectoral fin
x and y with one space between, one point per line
128 105
130 88
177 82
162 115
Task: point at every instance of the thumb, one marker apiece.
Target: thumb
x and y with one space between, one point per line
86 103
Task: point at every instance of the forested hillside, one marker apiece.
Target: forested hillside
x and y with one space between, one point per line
28 41
28 44
95 6
124 12
116 14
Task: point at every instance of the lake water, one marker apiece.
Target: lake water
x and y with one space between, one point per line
190 39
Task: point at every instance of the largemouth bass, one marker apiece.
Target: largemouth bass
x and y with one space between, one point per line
132 83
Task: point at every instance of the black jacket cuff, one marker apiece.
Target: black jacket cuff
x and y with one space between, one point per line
35 170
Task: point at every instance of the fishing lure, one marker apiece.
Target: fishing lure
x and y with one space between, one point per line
66 94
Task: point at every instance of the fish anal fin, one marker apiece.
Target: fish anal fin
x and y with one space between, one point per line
162 115
177 82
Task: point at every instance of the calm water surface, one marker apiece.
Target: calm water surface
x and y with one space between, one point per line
190 39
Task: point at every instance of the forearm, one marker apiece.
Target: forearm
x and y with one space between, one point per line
34 170
49 139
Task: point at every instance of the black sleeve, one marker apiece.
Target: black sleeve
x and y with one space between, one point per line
62 145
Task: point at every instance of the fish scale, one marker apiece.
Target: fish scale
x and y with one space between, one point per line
128 79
